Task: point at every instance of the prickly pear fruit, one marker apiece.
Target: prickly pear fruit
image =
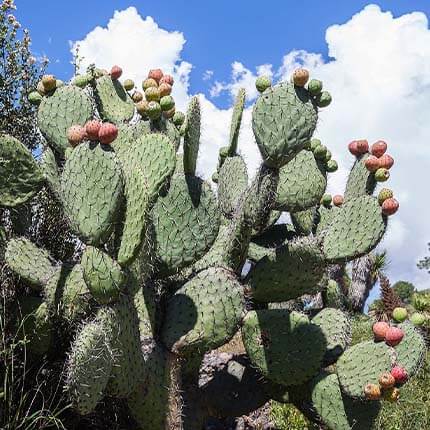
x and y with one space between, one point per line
320 152
382 174
142 107
115 72
92 128
392 394
152 94
148 83
315 87
372 163
49 83
384 194
380 328
167 79
353 148
108 133
400 314
362 146
386 161
338 200
378 148
418 319
331 166
400 374
372 392
394 336
323 99
128 84
386 380
165 89
155 74
137 96
390 206
326 200
81 81
178 118
300 77
153 110
34 98
167 103
262 83
75 135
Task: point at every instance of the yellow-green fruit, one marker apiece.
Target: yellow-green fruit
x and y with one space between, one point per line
153 110
167 103
384 194
314 143
178 118
418 319
331 166
128 84
137 96
323 99
382 175
320 152
400 314
34 98
152 94
149 83
49 83
142 107
326 200
315 87
262 83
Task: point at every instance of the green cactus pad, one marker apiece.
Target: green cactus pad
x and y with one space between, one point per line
185 221
324 217
147 163
21 176
355 230
232 182
271 221
363 364
328 402
336 328
302 183
295 269
35 325
49 168
411 350
360 181
332 295
91 186
304 221
236 120
192 136
90 362
113 102
283 120
102 274
284 346
205 313
30 262
68 106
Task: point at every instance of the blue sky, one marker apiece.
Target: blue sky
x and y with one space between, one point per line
373 57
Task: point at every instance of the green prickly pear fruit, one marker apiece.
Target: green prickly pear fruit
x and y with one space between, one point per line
167 79
331 166
178 118
81 81
34 98
338 200
326 200
108 133
115 72
320 152
155 74
386 161
314 143
167 103
49 83
323 99
418 319
300 77
382 175
165 89
384 194
315 87
148 83
169 113
137 96
152 94
328 155
378 148
400 314
262 83
92 129
390 206
153 110
75 135
128 84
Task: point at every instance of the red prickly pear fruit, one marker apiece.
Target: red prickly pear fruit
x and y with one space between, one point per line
92 129
165 89
390 206
108 133
372 392
382 174
137 96
384 194
379 329
386 161
392 394
338 200
167 79
353 148
386 380
394 336
300 77
372 163
378 148
115 72
400 374
75 135
362 146
156 74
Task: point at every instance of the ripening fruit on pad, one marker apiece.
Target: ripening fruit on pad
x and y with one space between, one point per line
300 77
362 146
400 374
400 314
384 194
372 163
372 392
338 200
379 329
394 336
262 83
390 206
386 380
137 96
75 135
386 161
92 129
382 175
378 148
49 83
115 72
167 79
108 133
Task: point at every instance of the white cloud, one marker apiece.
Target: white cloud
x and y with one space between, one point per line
378 75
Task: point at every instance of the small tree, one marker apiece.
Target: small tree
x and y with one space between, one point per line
404 290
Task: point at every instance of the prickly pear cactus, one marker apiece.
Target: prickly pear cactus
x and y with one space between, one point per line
167 270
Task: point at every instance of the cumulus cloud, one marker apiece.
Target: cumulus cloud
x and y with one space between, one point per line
378 74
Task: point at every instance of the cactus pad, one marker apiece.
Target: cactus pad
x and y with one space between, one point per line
91 186
356 229
284 346
283 120
295 269
192 136
68 106
236 120
363 364
360 180
302 183
186 222
21 176
304 221
49 168
205 313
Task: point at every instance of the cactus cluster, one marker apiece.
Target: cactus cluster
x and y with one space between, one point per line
159 281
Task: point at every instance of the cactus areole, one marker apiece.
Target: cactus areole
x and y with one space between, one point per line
157 283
